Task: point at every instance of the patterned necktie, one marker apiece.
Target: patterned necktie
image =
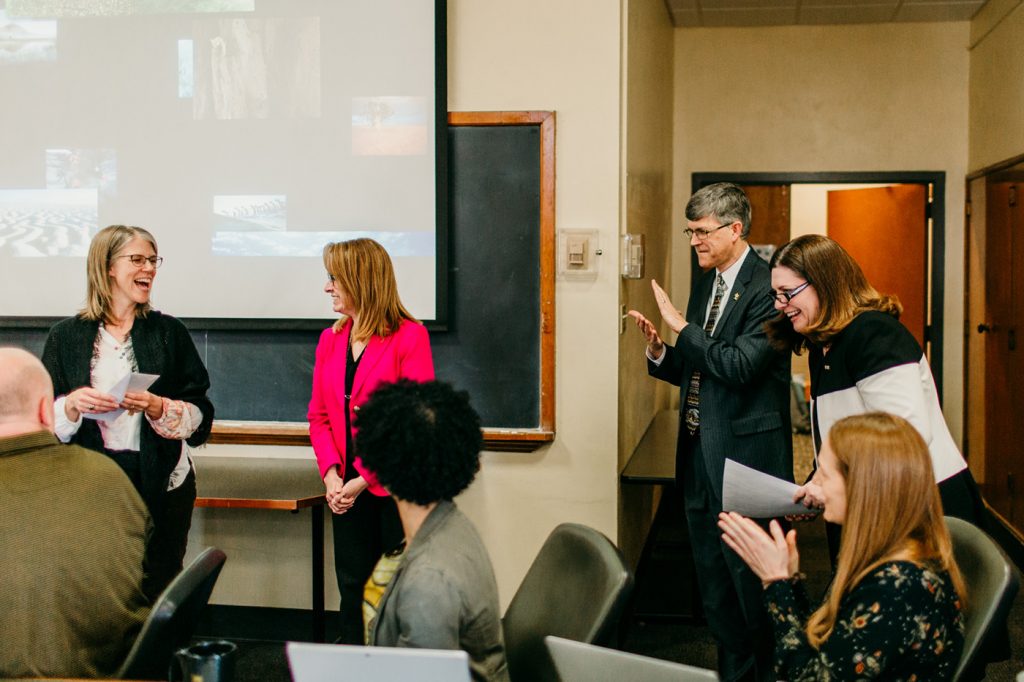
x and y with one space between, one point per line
693 390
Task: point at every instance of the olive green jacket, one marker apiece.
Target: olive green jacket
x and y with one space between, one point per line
73 534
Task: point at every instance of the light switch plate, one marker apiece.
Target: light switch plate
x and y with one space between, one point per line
578 254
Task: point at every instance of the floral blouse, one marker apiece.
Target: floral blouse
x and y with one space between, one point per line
902 622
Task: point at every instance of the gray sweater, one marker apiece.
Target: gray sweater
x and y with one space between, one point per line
444 596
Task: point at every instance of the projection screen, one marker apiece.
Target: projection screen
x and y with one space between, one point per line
244 134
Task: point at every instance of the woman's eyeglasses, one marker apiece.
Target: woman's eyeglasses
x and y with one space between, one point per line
138 260
785 297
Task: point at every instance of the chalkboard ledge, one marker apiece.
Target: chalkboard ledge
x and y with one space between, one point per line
297 433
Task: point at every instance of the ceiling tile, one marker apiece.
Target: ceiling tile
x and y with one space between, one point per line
750 17
692 13
680 5
685 18
849 3
939 11
859 14
715 5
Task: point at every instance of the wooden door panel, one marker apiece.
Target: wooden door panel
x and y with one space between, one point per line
1014 281
885 230
999 440
769 205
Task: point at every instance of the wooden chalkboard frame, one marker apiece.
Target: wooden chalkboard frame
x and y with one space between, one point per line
516 440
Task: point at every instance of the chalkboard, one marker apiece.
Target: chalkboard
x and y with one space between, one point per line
499 342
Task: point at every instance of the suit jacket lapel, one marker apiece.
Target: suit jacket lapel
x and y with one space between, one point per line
338 362
736 293
371 356
697 307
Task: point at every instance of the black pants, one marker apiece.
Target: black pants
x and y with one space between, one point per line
172 518
730 592
166 549
361 535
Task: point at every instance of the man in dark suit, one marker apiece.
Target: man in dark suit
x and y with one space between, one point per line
734 393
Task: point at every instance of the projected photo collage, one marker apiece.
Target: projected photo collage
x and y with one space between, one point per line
244 134
232 68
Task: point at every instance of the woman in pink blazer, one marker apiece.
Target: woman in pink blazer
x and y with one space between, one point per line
376 341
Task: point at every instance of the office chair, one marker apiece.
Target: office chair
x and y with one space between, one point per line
992 583
579 662
173 619
576 588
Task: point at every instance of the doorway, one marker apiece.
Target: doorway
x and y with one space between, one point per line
892 223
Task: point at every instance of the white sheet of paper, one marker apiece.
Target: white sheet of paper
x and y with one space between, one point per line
134 382
758 495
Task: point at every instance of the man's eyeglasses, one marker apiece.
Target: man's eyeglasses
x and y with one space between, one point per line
703 234
138 260
785 297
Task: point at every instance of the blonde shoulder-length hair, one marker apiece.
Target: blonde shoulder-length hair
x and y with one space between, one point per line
884 460
843 291
105 246
363 270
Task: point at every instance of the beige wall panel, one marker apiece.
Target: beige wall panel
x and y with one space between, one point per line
647 183
830 98
997 90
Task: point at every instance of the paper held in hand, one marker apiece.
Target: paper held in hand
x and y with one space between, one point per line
758 495
129 383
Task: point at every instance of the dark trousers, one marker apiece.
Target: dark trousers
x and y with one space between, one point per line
730 592
166 549
361 535
172 518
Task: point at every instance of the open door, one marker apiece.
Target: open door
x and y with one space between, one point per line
885 230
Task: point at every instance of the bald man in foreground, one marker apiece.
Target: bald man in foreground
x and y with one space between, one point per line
72 538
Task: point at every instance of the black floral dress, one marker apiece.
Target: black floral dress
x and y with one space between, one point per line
902 622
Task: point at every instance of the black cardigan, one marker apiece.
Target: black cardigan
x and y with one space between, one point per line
162 346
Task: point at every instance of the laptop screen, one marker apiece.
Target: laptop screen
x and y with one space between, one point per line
346 663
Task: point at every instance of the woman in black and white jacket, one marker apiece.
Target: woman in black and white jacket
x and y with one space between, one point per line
861 358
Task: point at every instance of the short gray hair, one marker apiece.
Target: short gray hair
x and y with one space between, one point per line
725 201
23 381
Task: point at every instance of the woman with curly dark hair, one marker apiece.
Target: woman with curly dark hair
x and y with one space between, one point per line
422 442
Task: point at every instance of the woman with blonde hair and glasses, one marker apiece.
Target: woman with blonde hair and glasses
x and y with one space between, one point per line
147 433
894 609
375 341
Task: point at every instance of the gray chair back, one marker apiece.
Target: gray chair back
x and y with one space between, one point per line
173 619
579 662
576 588
992 583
